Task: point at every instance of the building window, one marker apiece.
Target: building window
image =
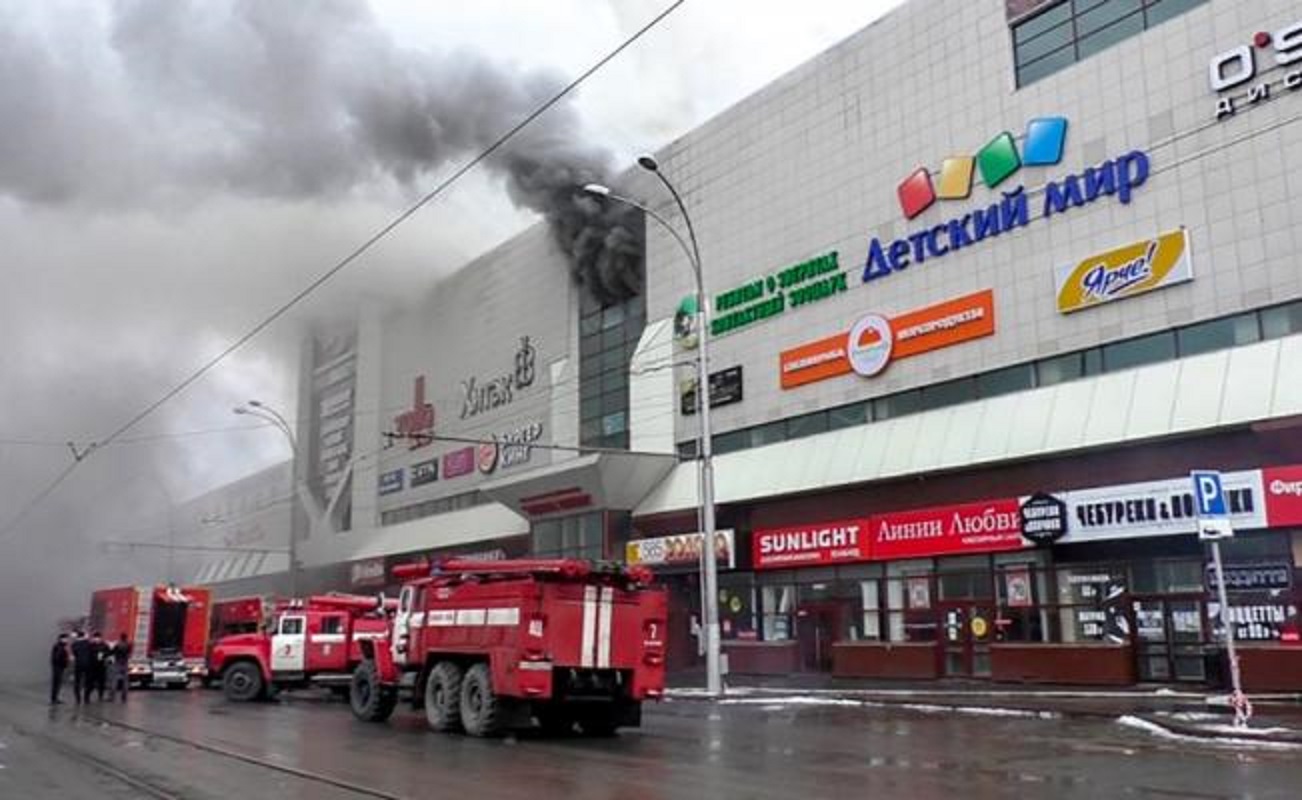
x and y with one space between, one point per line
768 434
1218 334
847 416
1282 320
579 536
1006 381
1138 352
949 393
807 425
731 441
608 336
1074 30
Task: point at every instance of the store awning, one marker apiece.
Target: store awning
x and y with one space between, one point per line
1218 390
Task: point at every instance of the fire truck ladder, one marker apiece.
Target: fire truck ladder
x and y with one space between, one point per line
144 607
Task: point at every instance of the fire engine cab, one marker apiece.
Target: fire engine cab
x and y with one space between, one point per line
483 646
313 642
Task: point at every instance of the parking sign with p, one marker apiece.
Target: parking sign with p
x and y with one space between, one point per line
1213 514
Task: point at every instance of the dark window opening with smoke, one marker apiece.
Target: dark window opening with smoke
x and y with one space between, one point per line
608 335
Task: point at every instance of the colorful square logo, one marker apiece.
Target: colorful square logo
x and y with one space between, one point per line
955 178
916 194
1044 140
998 160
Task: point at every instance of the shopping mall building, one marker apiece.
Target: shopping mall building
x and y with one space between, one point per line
986 281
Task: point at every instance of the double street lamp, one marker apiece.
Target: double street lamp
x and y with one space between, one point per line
256 408
709 569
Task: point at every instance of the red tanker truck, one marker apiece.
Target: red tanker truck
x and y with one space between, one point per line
316 642
166 625
484 646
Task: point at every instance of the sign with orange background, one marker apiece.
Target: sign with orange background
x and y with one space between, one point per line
945 324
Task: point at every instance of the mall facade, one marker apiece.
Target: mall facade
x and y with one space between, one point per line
987 281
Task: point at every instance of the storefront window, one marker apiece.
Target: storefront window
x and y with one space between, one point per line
1092 604
737 607
778 604
1167 577
870 601
911 615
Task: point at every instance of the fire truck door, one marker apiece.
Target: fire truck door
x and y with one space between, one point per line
288 645
327 644
402 626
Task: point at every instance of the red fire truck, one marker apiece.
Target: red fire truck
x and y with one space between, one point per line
315 642
484 646
240 615
167 627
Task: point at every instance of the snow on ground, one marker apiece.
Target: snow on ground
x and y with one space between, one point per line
1235 739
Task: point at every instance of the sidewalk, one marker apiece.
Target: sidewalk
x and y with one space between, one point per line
1164 710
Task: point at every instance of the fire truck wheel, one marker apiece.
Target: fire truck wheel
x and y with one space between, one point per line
443 697
370 700
242 682
481 709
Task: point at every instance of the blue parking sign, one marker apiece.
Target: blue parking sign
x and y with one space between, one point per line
1209 494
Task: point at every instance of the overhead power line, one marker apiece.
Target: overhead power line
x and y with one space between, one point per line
341 265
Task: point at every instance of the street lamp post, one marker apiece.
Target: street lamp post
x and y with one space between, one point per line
256 408
709 567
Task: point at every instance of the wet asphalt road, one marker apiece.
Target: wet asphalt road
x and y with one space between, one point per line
759 749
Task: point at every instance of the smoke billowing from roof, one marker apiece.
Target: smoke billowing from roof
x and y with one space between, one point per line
287 100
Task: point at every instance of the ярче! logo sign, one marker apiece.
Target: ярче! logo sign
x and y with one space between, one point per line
1238 66
1126 271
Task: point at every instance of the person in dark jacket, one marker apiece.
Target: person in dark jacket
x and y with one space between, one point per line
119 659
58 666
83 667
99 673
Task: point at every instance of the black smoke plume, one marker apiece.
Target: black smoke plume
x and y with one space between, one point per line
166 101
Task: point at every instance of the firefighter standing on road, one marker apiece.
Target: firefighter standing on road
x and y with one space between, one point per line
119 658
58 666
83 667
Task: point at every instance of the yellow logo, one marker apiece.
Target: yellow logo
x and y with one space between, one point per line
1126 271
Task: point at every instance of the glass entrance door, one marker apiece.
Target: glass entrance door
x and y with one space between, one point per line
817 626
966 629
1170 636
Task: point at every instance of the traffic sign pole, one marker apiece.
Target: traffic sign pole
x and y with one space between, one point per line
1227 626
1214 525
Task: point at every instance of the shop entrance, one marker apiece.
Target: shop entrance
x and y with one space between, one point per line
818 624
1170 637
966 631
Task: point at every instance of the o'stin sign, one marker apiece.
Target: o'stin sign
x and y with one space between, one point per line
1125 272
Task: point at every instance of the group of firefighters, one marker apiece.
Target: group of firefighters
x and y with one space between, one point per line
94 662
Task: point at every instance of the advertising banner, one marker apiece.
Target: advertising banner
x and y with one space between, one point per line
811 545
1125 272
1283 489
680 550
391 481
1157 508
459 462
948 530
874 341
